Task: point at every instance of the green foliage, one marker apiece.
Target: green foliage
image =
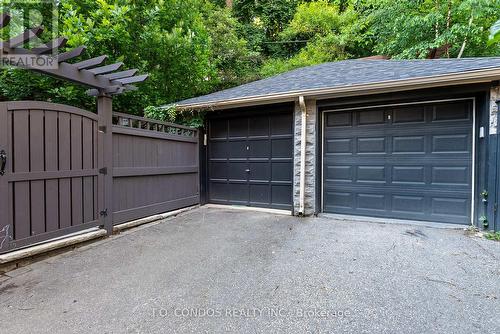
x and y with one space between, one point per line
332 35
234 62
493 236
409 29
494 33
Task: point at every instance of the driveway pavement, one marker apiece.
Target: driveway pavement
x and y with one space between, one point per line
221 270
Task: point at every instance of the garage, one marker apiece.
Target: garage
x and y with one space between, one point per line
409 161
250 160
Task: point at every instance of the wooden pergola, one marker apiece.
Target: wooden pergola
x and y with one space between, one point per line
104 79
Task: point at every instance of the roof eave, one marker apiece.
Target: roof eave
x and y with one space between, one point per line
469 77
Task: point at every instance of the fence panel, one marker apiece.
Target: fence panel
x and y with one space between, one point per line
49 185
155 167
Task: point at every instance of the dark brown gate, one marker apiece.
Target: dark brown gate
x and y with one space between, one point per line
49 187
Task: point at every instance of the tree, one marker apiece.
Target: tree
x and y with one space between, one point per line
331 34
413 29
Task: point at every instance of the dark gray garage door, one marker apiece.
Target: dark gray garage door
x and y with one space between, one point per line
409 162
250 161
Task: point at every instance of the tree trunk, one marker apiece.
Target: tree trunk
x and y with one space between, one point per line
448 24
460 54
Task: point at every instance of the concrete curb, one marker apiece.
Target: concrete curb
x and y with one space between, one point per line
52 245
151 219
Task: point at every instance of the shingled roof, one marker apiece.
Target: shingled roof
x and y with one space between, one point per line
348 73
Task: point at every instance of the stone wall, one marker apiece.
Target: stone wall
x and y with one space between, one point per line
311 144
494 96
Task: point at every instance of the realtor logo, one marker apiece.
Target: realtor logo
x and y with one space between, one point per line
22 23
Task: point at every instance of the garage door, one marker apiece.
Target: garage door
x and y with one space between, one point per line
408 162
250 161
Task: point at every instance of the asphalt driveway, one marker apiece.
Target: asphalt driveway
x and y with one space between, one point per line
217 270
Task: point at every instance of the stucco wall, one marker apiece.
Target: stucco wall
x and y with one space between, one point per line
311 144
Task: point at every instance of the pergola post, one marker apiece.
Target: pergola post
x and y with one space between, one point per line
105 158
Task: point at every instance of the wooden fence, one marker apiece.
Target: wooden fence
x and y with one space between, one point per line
63 171
155 167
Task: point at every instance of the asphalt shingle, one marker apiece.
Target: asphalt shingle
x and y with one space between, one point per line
347 73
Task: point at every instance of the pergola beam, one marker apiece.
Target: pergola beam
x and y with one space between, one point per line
122 74
106 69
89 63
76 52
130 80
27 35
55 44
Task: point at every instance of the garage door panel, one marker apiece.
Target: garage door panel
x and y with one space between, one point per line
259 126
259 194
416 164
408 174
219 170
235 149
341 119
408 204
455 143
376 145
457 207
409 115
282 124
451 176
238 128
259 171
371 174
452 112
339 173
408 145
281 195
259 148
339 146
371 117
282 171
281 148
218 129
371 202
237 171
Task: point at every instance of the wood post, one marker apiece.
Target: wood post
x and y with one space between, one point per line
105 156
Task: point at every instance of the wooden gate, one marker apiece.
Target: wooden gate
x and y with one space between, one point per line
49 186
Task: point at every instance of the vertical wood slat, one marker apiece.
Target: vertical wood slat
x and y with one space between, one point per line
51 164
21 190
6 226
37 164
88 183
76 163
94 165
64 156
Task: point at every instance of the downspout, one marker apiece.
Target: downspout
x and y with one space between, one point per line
302 191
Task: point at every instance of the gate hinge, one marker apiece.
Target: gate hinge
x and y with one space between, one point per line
104 213
495 207
103 128
103 171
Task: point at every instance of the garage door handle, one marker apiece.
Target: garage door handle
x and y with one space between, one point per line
3 162
247 170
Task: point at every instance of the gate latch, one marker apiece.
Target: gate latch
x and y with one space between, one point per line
104 213
3 162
